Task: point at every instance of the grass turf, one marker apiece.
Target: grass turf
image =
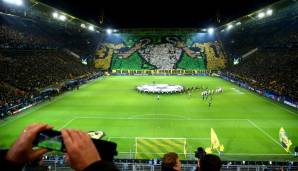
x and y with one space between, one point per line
246 123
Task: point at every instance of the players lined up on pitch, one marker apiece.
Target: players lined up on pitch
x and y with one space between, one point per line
205 94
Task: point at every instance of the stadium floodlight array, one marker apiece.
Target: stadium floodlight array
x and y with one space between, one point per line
258 14
83 25
230 26
14 2
210 30
268 13
91 27
58 16
55 15
109 31
62 17
261 15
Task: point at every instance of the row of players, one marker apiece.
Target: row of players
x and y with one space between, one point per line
205 94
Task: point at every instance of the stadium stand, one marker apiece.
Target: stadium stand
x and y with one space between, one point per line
25 73
270 69
159 49
267 52
36 55
25 69
23 33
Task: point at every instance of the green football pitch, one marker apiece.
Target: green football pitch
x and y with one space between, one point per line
144 127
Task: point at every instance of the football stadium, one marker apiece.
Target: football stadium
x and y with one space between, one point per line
230 90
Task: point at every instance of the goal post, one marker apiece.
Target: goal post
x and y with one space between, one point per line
152 147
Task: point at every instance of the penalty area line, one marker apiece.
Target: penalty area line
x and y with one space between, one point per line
265 133
67 123
228 154
151 118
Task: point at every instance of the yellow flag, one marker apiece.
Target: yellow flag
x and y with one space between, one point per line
284 140
214 140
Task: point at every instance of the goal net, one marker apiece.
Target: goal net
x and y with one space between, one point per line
146 147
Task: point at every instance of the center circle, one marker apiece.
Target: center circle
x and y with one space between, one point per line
160 88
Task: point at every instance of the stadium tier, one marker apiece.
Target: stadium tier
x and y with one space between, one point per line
160 50
232 90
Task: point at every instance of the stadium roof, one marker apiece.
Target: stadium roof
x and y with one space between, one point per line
157 13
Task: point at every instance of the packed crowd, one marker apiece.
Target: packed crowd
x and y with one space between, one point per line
36 54
24 33
23 72
273 70
163 56
267 51
11 38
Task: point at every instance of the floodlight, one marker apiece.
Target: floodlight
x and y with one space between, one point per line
238 23
210 30
83 25
269 12
62 17
14 2
230 26
55 15
115 30
261 15
109 31
91 28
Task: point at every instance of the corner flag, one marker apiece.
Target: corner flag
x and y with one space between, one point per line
214 140
215 144
284 140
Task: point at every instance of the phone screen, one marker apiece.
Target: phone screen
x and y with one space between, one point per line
50 139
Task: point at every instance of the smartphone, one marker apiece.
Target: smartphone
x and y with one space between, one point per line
50 139
53 140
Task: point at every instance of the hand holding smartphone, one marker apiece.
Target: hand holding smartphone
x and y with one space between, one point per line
53 140
50 139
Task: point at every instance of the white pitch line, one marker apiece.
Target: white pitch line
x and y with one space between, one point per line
264 132
122 137
198 138
14 119
251 154
67 123
20 115
33 109
157 138
129 118
121 118
137 116
280 106
228 154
